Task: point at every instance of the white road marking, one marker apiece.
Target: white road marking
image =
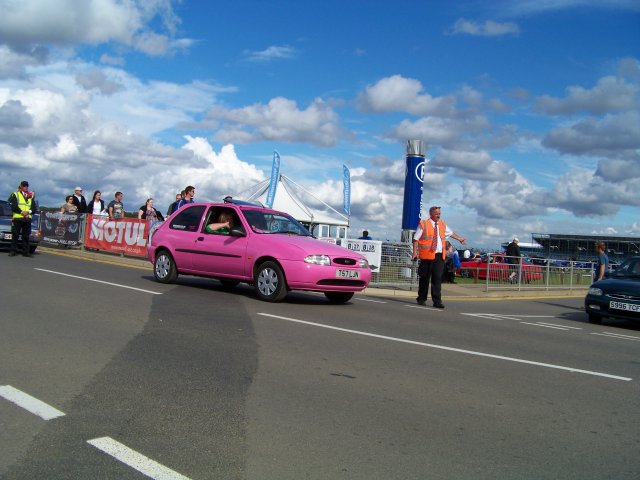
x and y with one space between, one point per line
450 349
498 316
369 300
99 281
424 307
617 335
556 325
545 326
135 460
29 403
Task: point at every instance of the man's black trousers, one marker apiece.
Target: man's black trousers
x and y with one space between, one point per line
430 271
20 228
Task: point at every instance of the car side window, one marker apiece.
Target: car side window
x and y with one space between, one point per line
188 219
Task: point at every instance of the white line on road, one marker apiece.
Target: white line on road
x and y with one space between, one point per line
139 462
99 281
556 325
369 300
29 403
424 307
451 349
545 326
617 335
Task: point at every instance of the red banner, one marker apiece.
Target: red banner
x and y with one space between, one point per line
122 235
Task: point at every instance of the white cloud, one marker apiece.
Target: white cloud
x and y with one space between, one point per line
279 120
610 95
489 28
400 94
69 22
274 52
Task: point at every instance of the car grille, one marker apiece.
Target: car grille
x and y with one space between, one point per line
624 297
344 261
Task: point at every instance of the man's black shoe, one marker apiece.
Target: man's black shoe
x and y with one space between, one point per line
27 255
438 305
420 302
12 254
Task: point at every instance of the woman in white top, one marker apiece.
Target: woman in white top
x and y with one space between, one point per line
96 205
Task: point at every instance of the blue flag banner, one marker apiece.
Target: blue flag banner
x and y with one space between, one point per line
273 183
347 189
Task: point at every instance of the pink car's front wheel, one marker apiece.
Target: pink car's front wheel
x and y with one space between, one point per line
270 283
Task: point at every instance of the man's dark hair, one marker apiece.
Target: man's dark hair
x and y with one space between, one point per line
365 233
118 193
189 189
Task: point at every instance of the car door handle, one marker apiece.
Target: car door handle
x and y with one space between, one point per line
200 239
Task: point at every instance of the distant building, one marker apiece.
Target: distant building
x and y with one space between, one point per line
581 247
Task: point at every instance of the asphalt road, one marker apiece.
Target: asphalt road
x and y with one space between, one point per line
192 381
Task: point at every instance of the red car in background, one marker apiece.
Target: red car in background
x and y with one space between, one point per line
497 267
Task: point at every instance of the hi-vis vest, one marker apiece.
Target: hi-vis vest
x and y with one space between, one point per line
428 237
24 204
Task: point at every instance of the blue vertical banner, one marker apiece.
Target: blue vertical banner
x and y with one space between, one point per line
413 184
275 176
346 181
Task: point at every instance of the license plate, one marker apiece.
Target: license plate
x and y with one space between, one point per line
7 236
630 307
347 274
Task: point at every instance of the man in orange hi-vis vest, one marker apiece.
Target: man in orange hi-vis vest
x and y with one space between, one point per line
428 246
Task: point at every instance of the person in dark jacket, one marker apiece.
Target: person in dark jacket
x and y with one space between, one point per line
96 205
513 257
79 200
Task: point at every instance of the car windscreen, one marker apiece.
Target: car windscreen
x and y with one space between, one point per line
5 209
629 268
274 223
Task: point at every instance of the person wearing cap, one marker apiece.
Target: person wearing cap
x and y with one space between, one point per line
23 206
79 200
513 257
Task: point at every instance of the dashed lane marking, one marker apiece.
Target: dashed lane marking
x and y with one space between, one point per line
450 349
99 281
29 403
135 460
618 335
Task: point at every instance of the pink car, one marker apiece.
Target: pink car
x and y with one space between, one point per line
252 244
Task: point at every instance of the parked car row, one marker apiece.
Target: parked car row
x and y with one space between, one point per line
496 267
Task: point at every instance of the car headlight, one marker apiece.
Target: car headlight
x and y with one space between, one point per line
318 259
594 291
362 263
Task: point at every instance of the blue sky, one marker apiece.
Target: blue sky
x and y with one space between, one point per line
530 109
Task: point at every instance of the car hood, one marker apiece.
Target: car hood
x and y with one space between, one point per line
294 246
627 285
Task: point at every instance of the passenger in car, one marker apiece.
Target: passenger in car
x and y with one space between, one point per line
222 226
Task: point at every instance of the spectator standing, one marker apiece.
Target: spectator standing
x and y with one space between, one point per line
96 205
116 207
365 235
189 193
149 212
603 261
513 257
428 246
172 207
23 206
79 200
69 206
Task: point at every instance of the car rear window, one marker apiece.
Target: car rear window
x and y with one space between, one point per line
188 219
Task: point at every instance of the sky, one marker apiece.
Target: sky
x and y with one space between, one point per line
529 109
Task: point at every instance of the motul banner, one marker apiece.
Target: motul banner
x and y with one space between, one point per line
121 235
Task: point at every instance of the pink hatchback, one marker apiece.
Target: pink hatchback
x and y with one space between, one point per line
263 247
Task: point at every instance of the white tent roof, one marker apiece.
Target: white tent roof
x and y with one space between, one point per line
288 199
